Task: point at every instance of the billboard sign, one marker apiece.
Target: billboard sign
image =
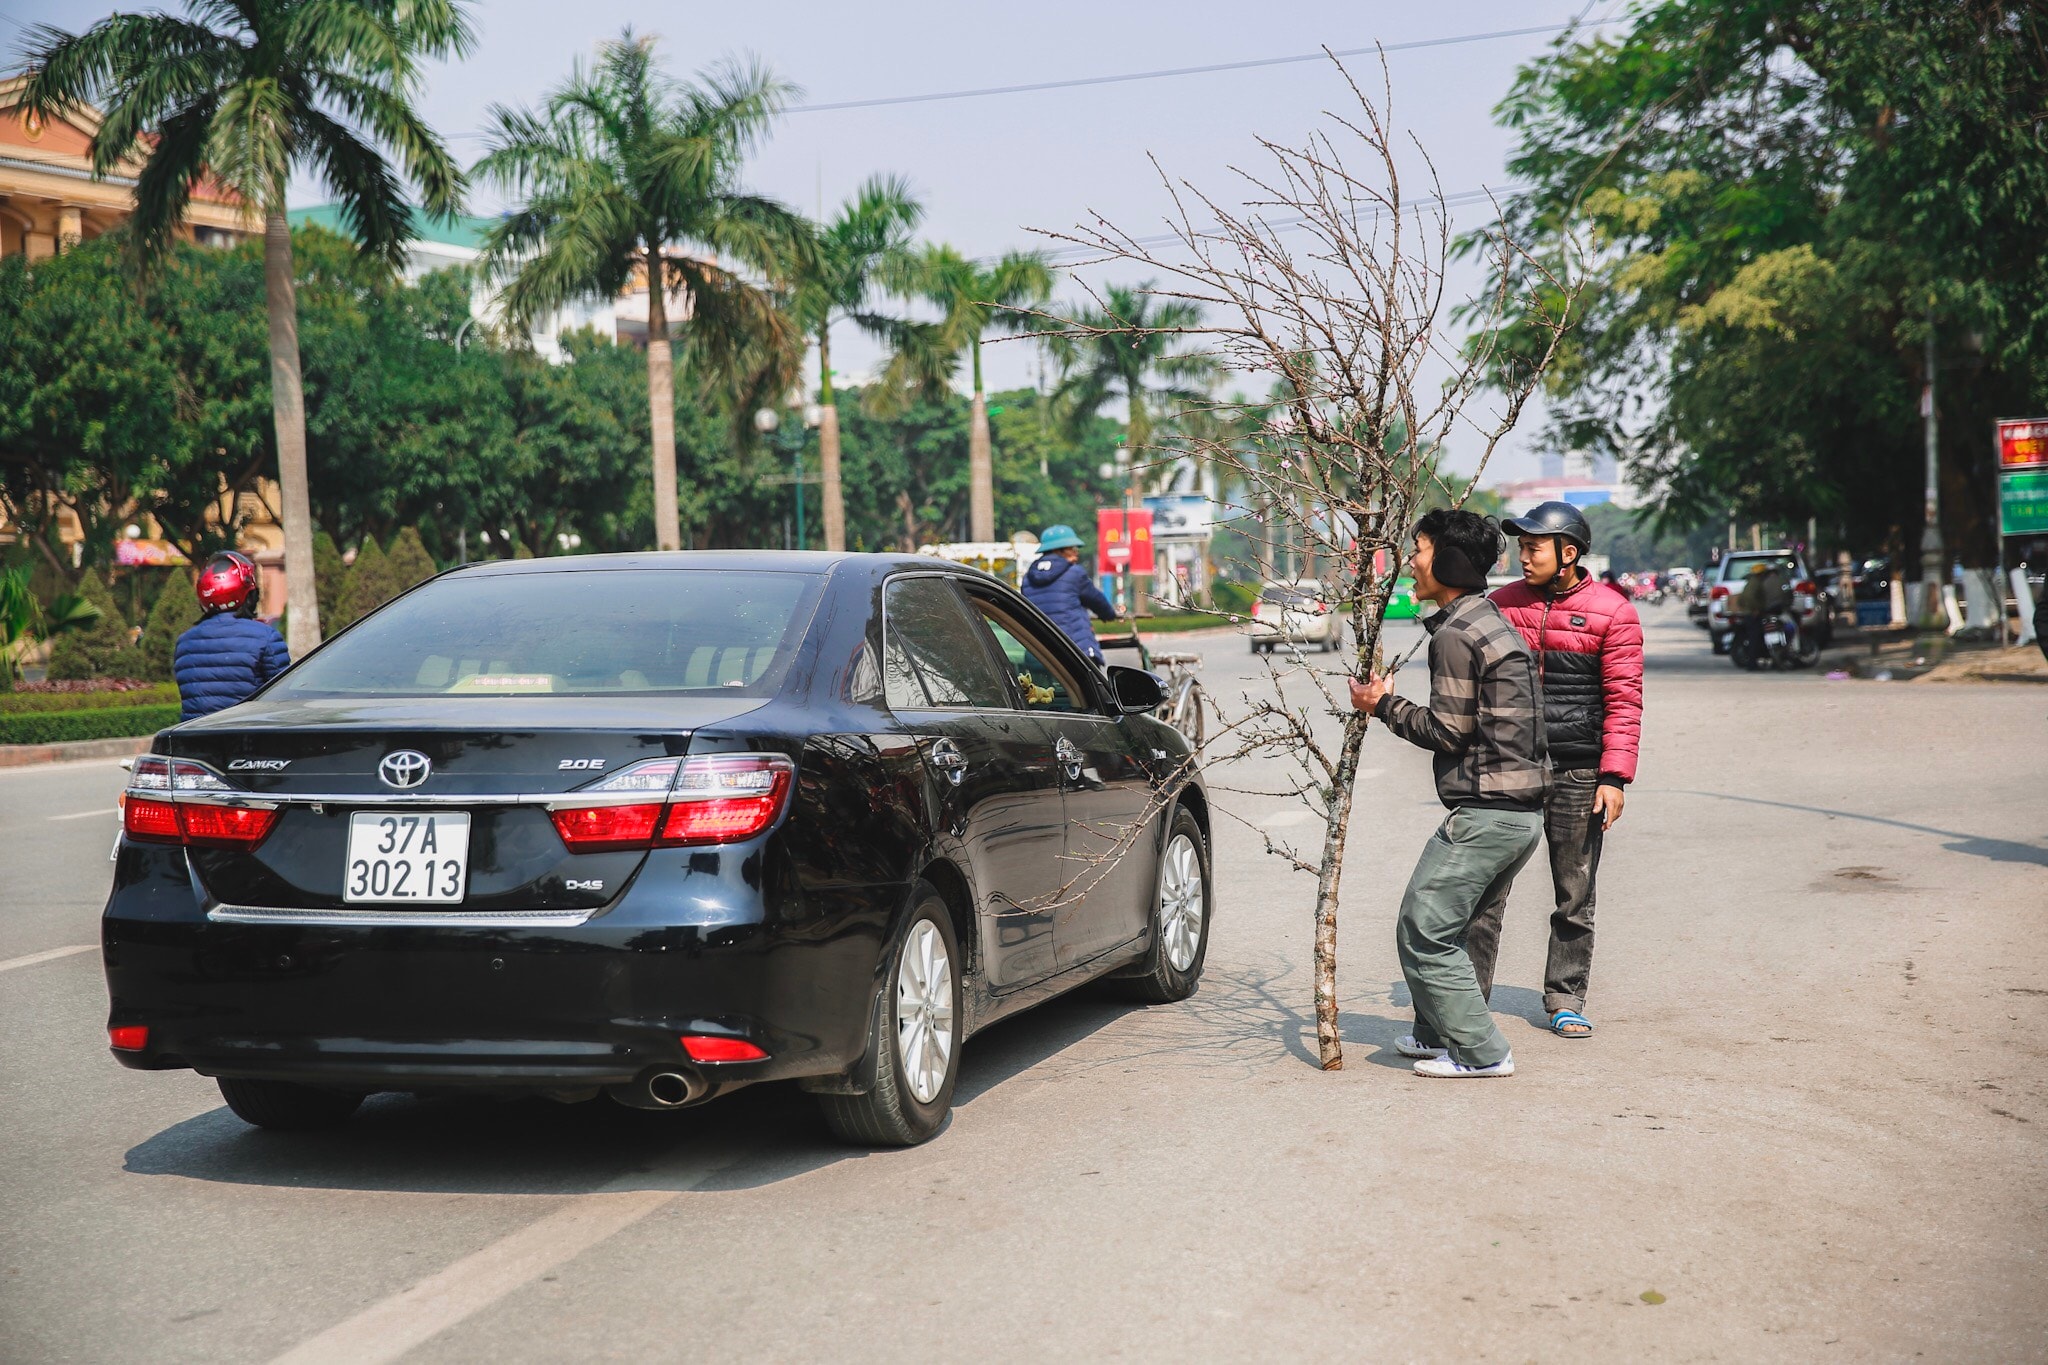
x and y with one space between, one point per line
1123 540
2023 444
1182 516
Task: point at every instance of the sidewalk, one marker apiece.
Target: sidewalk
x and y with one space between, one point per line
24 755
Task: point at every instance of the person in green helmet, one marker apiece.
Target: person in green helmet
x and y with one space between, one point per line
1060 587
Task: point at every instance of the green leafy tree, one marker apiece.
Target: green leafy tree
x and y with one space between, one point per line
1789 205
625 174
332 573
369 584
248 94
175 611
1130 347
853 262
103 649
409 562
975 297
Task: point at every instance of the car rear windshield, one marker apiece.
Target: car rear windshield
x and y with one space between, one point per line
581 632
1283 596
1736 567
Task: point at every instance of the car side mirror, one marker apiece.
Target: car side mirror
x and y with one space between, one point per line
1135 689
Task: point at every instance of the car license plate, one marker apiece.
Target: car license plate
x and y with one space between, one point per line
411 856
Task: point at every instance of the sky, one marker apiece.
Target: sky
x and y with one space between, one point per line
991 168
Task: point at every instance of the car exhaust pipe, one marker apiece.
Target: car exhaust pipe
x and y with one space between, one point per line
660 1089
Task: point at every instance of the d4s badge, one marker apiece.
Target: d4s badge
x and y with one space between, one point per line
574 885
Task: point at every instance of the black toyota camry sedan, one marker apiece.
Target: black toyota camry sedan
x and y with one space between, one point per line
658 826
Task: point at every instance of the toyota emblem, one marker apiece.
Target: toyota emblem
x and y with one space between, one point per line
405 769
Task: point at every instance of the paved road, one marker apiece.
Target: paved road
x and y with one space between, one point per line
1814 1118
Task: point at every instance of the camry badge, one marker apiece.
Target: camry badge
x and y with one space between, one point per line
405 769
258 765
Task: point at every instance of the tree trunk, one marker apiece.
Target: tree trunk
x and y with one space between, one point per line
661 409
981 499
828 447
288 414
1329 1039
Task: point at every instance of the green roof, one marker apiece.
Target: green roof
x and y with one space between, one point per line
464 230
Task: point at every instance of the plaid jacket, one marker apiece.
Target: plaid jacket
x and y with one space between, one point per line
1484 721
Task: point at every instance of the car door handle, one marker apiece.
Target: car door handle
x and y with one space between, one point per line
948 759
1069 758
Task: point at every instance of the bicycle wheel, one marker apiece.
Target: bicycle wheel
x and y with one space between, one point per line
1187 715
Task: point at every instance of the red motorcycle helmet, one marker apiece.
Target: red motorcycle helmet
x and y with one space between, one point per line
228 582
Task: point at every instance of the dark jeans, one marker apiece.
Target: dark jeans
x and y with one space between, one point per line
1572 831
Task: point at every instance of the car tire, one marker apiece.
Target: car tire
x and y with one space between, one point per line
287 1106
909 1096
1181 915
1720 639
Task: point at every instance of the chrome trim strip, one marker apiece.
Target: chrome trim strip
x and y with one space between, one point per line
404 919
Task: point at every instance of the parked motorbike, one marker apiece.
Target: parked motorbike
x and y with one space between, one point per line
1780 644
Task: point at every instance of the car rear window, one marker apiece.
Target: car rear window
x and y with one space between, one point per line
580 632
1285 596
1736 567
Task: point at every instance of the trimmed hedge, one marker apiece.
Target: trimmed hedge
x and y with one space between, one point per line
63 727
23 703
1189 620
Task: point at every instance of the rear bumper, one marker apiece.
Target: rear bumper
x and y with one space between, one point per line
411 1007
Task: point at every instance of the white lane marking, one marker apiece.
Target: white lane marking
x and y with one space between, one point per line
85 814
388 1329
67 766
51 956
1285 818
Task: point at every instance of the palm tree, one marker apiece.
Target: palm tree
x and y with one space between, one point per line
974 296
855 260
247 93
1128 347
625 171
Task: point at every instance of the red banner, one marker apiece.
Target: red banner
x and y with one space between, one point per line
1123 540
2023 444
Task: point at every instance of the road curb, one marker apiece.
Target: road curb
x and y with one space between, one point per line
28 755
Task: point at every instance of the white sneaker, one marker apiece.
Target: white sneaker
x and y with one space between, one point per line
1446 1065
1408 1047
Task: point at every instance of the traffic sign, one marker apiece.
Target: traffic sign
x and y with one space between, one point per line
2023 444
2023 503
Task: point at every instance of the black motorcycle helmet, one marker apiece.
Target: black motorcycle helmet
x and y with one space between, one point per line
1561 522
1553 519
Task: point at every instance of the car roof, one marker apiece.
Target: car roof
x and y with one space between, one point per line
772 561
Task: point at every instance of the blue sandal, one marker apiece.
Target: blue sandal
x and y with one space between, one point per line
1561 1018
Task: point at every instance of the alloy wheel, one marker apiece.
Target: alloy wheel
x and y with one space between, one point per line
1180 902
924 1011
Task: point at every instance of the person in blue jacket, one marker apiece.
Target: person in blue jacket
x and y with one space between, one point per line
229 654
1058 586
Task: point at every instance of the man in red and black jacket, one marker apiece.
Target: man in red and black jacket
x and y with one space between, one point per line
1588 644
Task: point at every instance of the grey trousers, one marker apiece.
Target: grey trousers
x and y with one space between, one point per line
1471 855
1573 832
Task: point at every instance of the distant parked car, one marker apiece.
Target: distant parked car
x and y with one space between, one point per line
1809 605
1401 605
1295 612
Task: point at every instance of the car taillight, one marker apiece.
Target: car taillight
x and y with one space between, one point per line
1720 591
153 813
716 799
716 1048
602 829
213 826
1807 586
152 821
723 798
129 1037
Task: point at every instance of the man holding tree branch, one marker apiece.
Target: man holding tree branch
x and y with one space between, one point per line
1484 726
